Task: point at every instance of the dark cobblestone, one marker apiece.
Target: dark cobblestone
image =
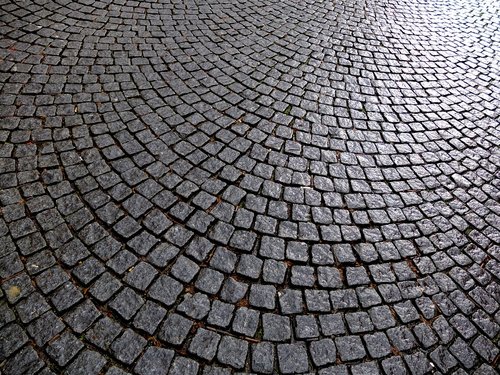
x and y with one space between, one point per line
236 187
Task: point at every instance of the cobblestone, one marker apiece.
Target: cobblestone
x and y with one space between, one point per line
249 187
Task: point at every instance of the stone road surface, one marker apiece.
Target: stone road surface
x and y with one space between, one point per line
261 186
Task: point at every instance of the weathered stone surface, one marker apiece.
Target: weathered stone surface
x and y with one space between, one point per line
249 186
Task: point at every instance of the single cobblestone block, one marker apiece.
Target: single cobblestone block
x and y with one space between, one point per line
81 317
195 306
126 303
233 290
485 348
377 344
204 344
343 299
220 314
128 346
250 266
394 365
32 307
223 260
462 351
154 361
20 286
263 357
401 338
317 300
140 276
165 290
175 329
425 335
246 321
485 369
64 348
12 338
292 358
303 276
26 361
88 362
149 317
45 328
209 281
331 324
184 366
272 247
297 251
357 276
291 301
323 352
381 317
350 348
276 328
263 296
274 271
233 352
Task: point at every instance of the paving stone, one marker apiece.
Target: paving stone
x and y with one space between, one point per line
174 329
263 357
209 281
302 276
223 260
182 365
126 303
291 301
149 317
262 296
274 271
13 338
82 317
317 300
323 352
233 352
377 344
165 290
205 344
154 361
276 328
88 362
292 358
343 299
185 172
331 324
461 351
418 363
401 338
350 348
32 307
233 290
246 321
103 333
195 306
485 348
249 266
272 247
64 348
394 365
128 346
221 314
443 359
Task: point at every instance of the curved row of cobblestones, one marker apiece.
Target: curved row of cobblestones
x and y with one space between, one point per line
260 186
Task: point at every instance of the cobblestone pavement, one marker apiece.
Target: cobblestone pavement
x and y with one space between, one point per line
214 187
